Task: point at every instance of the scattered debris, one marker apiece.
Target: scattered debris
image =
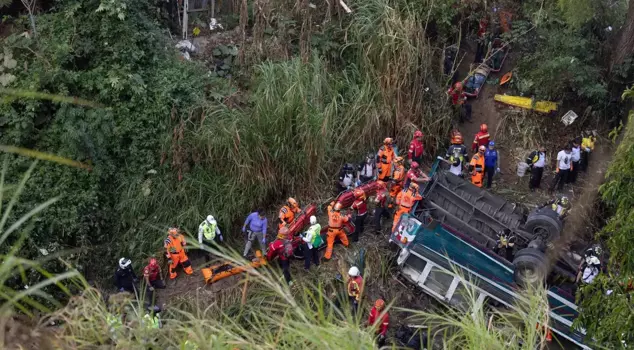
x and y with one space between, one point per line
186 47
214 24
569 117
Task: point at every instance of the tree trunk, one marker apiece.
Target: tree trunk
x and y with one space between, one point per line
625 46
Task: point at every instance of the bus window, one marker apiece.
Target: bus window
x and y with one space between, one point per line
438 280
460 297
413 267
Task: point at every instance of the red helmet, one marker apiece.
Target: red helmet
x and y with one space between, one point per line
379 304
483 128
359 193
153 262
414 165
456 139
418 133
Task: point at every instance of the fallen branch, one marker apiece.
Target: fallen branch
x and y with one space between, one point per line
345 7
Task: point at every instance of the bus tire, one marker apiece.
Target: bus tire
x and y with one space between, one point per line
530 267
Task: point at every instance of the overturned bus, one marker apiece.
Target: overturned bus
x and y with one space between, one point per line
446 246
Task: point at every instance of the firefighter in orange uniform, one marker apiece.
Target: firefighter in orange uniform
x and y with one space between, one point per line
175 248
405 201
476 167
335 228
384 161
287 213
398 177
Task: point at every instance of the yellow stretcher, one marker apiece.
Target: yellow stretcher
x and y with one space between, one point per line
527 103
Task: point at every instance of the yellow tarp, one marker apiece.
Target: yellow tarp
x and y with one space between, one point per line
527 102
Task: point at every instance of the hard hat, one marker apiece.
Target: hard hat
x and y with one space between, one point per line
313 220
418 133
456 139
593 260
387 141
379 304
564 200
173 231
458 86
354 271
153 262
370 156
398 159
359 193
292 202
414 165
338 206
124 263
283 233
491 143
210 219
483 127
481 148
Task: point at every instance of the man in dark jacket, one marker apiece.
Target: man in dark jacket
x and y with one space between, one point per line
125 278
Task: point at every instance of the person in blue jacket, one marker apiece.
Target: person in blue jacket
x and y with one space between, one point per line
491 163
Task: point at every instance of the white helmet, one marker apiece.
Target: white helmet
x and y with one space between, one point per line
592 260
210 219
313 220
124 263
354 271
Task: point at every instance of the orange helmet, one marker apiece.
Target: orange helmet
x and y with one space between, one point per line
418 133
172 231
359 193
414 165
398 160
456 138
387 141
379 304
283 233
484 127
481 149
292 202
458 86
338 206
153 262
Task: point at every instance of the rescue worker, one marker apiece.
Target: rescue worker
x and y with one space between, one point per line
476 167
379 319
481 138
457 143
458 100
589 267
481 39
125 279
398 177
575 158
283 249
384 162
288 211
491 163
360 206
564 164
587 147
355 288
346 178
505 241
560 205
416 148
416 175
312 239
381 206
406 200
335 228
536 161
153 277
367 169
456 162
208 235
256 223
175 251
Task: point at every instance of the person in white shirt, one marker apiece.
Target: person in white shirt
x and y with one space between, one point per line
564 164
367 169
575 158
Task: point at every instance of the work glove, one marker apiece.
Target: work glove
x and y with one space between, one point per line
497 170
151 289
244 229
221 238
121 290
264 243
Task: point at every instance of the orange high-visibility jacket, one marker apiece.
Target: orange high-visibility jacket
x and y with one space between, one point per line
355 286
406 199
477 162
386 155
287 215
335 219
174 243
399 174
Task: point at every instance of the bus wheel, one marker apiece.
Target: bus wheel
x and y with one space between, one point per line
530 267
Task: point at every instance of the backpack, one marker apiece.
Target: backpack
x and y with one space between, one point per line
288 248
317 240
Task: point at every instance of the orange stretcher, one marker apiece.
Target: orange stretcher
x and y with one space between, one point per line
228 268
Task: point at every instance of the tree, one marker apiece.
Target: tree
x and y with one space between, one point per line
625 45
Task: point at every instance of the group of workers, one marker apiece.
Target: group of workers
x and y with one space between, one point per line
484 162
